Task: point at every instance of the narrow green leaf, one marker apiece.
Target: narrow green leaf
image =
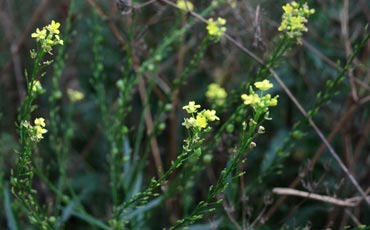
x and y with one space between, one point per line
12 225
91 220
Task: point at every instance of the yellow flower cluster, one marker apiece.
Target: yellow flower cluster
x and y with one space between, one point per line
74 95
294 19
263 85
217 28
48 36
260 101
185 5
38 130
215 93
198 120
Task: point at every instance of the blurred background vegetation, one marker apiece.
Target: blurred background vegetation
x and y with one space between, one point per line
103 46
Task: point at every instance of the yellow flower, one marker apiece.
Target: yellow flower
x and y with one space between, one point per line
75 95
38 129
200 121
54 27
40 122
185 5
191 107
250 99
271 101
39 132
288 9
216 28
189 122
263 85
39 34
210 115
216 93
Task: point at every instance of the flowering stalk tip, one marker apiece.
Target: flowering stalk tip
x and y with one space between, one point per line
198 120
48 36
37 131
260 101
216 29
294 19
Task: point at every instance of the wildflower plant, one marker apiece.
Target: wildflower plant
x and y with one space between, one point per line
197 124
250 128
29 134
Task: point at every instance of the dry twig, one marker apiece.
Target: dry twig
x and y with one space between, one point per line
351 202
